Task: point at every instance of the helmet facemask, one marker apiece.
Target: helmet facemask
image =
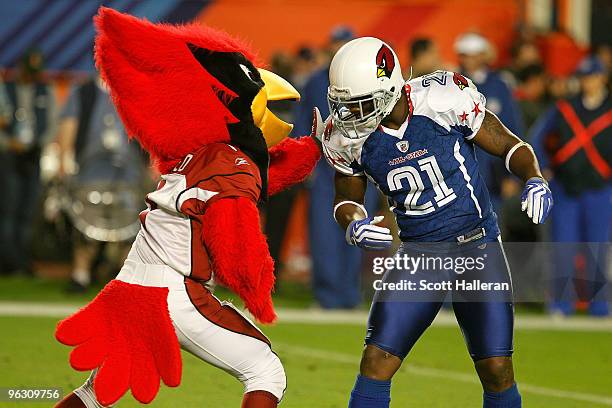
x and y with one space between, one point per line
358 117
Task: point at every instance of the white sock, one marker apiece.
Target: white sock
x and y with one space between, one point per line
86 393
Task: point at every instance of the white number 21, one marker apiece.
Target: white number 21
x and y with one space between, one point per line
443 194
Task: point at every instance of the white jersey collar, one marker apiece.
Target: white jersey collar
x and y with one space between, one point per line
399 133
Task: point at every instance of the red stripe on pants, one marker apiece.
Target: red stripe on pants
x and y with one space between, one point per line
222 315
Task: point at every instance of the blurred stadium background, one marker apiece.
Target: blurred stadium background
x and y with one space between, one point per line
72 187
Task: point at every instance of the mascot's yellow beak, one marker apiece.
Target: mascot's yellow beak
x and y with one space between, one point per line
275 89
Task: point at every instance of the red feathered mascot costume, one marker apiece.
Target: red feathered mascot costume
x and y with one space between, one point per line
193 99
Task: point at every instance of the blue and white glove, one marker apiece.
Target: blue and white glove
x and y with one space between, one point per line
367 235
536 200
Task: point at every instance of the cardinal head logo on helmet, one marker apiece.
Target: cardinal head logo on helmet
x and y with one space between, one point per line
385 62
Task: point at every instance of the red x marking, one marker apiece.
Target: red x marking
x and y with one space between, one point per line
583 138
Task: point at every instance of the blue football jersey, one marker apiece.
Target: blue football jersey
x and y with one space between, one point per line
427 168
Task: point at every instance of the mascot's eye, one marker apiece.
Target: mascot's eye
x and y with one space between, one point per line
247 72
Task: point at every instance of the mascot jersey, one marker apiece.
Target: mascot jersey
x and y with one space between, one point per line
427 168
170 225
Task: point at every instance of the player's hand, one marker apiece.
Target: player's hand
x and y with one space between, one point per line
367 235
536 200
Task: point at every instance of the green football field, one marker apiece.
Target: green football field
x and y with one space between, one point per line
555 368
557 364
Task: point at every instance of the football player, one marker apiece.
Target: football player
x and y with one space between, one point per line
416 141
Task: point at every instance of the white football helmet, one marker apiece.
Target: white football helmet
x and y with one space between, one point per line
365 83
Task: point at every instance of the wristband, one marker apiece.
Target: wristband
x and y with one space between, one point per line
341 203
513 150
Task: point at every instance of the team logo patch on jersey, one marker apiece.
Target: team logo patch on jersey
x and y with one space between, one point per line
385 62
460 81
402 146
240 161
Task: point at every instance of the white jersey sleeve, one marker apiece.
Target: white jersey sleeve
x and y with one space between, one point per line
451 100
342 153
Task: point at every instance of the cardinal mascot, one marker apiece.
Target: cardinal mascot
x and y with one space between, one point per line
196 102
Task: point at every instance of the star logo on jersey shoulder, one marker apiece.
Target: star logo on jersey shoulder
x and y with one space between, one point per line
402 146
463 117
476 109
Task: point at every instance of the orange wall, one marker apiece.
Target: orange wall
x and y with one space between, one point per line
271 25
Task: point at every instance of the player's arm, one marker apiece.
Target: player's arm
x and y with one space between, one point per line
348 202
351 215
494 138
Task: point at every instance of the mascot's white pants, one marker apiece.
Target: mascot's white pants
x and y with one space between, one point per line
211 330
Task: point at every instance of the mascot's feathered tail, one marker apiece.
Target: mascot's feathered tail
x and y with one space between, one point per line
174 99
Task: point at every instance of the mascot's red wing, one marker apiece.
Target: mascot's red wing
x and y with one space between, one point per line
127 333
239 252
291 161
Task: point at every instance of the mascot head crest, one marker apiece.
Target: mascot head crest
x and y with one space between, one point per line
178 88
